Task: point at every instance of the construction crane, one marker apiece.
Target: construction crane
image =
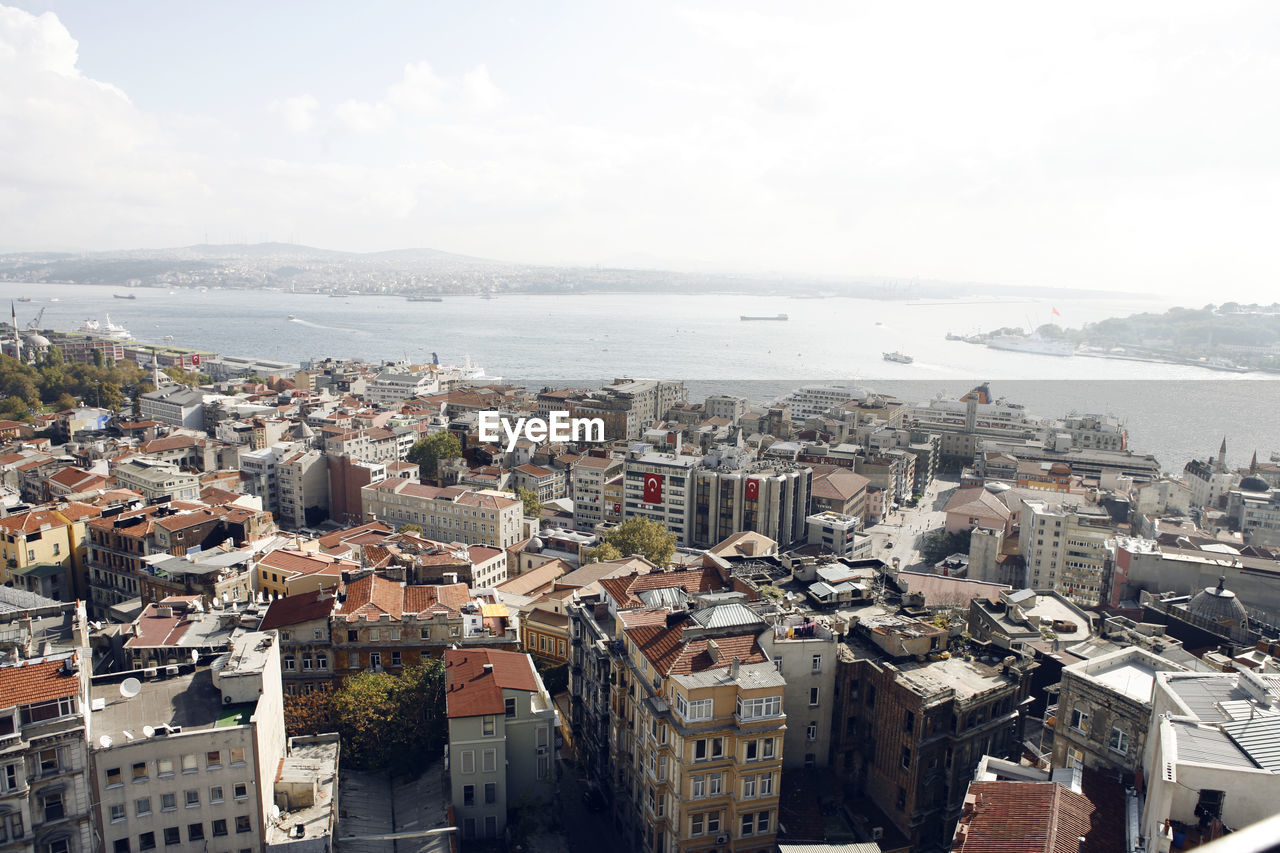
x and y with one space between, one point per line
34 325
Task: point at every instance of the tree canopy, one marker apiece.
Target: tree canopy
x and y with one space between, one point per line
392 722
532 506
428 452
25 388
637 535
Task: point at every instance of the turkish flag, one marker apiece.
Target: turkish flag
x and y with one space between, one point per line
753 490
653 488
617 509
195 359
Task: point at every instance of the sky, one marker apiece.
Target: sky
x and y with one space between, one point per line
1114 146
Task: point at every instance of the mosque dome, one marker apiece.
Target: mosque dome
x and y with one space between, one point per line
1218 605
1254 483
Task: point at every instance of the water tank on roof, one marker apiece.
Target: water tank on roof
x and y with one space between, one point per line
997 488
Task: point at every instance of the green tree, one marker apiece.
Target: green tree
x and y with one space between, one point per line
939 545
641 536
603 553
64 402
98 360
428 452
392 722
187 377
532 506
411 528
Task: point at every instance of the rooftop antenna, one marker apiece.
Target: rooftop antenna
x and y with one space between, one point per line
130 687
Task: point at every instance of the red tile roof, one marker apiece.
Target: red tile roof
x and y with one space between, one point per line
296 609
305 563
671 654
154 630
1030 817
336 538
29 683
435 597
371 596
693 581
473 691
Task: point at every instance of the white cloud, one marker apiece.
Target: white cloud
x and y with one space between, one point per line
298 113
1123 148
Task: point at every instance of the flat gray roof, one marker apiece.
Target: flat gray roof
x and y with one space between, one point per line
190 701
1208 745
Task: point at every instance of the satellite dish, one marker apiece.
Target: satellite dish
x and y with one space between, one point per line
130 687
128 735
147 731
275 812
195 656
104 741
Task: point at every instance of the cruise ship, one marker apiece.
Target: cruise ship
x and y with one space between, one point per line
1033 344
899 357
107 329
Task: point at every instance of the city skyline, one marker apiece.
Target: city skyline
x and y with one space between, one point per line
1114 149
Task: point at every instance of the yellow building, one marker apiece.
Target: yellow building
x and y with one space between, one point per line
697 726
46 536
286 572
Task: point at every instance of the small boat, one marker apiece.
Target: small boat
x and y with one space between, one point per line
900 358
124 296
24 298
291 317
774 317
425 299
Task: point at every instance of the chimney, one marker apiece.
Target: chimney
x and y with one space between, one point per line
733 668
713 649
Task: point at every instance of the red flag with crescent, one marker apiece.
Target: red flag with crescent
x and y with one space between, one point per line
617 509
753 489
653 488
195 359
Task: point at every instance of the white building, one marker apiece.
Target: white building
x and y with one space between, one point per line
453 514
658 486
392 386
804 652
501 737
837 533
156 480
176 405
190 761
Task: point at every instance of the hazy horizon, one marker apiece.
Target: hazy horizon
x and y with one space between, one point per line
1105 148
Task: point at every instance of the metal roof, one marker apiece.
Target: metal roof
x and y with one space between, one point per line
1205 745
667 596
726 616
1258 738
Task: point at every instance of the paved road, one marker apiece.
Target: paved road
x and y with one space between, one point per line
583 829
906 528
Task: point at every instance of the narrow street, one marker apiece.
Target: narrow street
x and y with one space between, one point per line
901 534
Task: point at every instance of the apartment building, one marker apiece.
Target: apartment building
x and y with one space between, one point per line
501 738
838 490
306 650
804 651
157 481
1065 549
697 728
385 625
303 484
285 572
659 486
43 537
391 386
46 793
347 478
452 514
770 498
373 444
588 479
259 474
1103 712
910 724
191 761
1103 432
547 483
175 405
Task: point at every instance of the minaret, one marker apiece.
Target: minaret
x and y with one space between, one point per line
1220 464
17 338
155 370
1253 463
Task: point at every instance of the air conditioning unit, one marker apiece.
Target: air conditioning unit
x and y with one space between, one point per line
877 833
722 839
170 670
149 672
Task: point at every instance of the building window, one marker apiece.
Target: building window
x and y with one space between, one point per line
812 732
189 764
910 723
510 706
748 823
766 784
468 762
906 756
817 664
490 793
49 761
764 706
219 828
147 841
322 660
172 836
1119 741
395 659
193 799
1080 721
114 777
242 824
489 760
237 756
195 832
215 794
468 795
289 663
488 726
117 813
140 771
142 806
168 802
813 697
